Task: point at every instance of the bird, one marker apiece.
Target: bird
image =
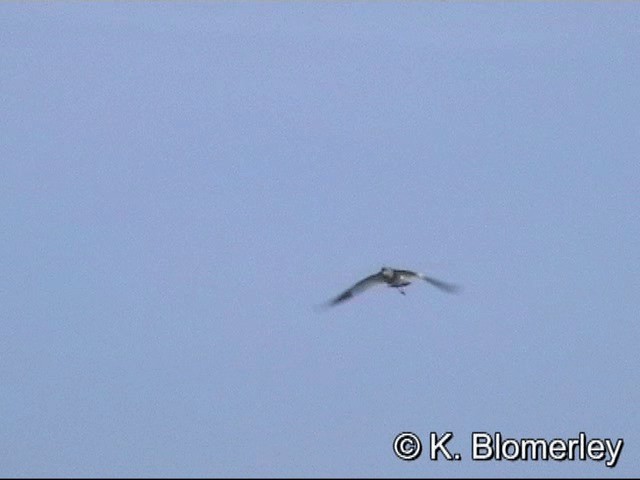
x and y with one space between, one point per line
395 278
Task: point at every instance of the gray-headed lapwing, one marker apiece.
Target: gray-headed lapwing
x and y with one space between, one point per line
393 278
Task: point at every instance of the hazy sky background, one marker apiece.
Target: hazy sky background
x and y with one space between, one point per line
182 183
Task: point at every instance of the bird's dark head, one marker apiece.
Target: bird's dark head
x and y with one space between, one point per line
386 272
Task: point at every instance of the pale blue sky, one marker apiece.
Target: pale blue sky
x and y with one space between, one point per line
183 182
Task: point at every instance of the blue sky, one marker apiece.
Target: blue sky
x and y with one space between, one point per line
183 182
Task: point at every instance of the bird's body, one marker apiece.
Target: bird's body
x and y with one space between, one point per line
394 278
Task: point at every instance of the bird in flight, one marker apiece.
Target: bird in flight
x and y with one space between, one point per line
393 278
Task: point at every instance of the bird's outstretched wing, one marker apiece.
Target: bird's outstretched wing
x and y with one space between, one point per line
447 287
359 287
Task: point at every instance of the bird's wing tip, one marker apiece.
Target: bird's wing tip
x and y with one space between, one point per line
322 307
444 286
331 303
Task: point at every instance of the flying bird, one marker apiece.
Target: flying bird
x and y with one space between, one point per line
393 278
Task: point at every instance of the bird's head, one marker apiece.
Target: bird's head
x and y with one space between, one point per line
386 272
